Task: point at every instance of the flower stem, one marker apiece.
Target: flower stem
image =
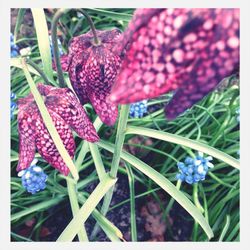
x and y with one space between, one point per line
91 24
199 206
122 124
35 66
55 48
120 136
72 192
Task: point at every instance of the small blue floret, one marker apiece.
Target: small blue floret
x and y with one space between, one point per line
194 169
138 109
33 179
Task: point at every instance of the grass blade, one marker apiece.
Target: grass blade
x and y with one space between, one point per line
165 184
82 234
108 227
38 207
76 223
19 20
43 40
100 169
184 142
131 180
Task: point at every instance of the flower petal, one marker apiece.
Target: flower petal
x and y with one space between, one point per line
46 146
190 50
93 69
26 141
106 110
64 103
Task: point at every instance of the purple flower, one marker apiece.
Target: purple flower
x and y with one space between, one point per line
188 51
93 68
66 113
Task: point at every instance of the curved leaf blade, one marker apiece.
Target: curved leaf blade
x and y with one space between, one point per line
165 184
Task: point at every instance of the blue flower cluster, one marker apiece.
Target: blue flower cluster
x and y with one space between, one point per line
12 105
59 47
14 49
193 170
33 179
138 109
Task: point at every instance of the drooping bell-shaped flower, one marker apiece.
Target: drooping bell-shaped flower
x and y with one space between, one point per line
188 51
93 68
66 113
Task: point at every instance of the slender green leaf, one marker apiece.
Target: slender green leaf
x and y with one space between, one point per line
17 62
43 40
100 169
184 142
19 21
225 228
76 223
165 184
82 234
108 227
131 180
38 207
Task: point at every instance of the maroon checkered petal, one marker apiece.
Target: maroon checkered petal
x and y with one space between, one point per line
64 103
77 76
26 140
187 49
106 110
93 69
46 146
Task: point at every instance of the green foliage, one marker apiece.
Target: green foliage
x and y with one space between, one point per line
210 126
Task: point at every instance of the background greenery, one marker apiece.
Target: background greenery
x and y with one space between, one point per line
213 122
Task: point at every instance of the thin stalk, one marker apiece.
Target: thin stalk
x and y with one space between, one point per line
132 203
120 136
171 202
72 192
35 66
55 48
122 123
199 206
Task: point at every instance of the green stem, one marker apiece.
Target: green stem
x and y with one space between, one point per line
171 202
55 48
132 203
199 206
120 136
72 192
122 123
35 66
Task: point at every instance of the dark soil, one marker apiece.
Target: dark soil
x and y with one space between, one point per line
151 226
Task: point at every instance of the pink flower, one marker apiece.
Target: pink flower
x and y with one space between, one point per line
93 69
66 113
188 51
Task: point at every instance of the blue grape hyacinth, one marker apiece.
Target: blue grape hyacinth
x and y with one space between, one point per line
59 47
14 49
12 105
33 178
138 109
193 170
